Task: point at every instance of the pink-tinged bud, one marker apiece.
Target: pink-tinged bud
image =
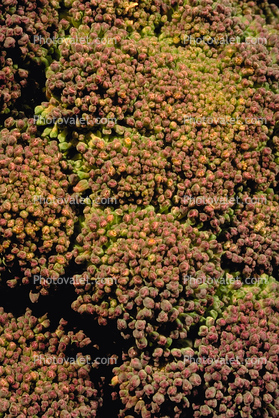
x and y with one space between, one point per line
205 411
82 373
144 291
238 399
274 349
271 386
2 342
210 393
158 398
195 379
8 336
142 375
25 400
10 380
163 317
172 391
9 42
136 364
258 404
176 352
140 324
166 305
162 340
158 352
14 409
4 405
267 398
134 382
237 284
25 386
203 331
51 374
148 303
148 389
248 398
221 322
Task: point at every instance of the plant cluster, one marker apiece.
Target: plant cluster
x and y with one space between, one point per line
139 158
149 256
35 227
230 369
21 58
36 378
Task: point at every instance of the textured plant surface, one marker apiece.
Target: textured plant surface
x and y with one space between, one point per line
146 254
36 377
35 235
21 56
245 331
139 166
230 368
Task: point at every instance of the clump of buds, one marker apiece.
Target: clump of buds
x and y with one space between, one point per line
23 28
37 219
146 270
239 349
36 376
